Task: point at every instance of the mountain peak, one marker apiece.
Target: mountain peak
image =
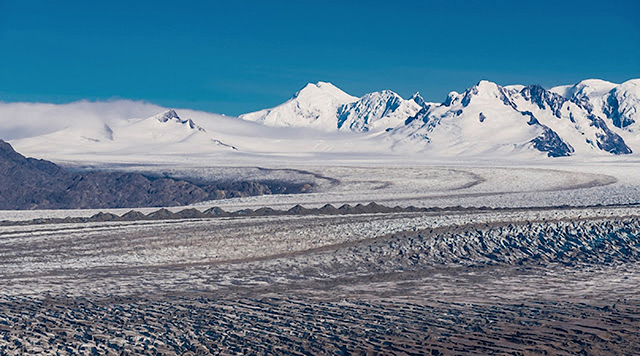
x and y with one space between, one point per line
381 94
171 116
315 87
591 87
380 109
486 90
323 91
451 97
631 84
595 83
168 115
622 104
7 151
314 105
322 84
485 85
319 85
417 98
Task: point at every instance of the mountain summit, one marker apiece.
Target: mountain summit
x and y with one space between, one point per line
315 106
172 116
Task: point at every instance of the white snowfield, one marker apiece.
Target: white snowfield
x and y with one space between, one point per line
570 274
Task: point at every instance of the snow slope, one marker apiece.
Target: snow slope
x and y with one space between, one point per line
136 132
165 132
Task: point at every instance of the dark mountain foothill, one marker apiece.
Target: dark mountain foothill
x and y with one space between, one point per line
29 183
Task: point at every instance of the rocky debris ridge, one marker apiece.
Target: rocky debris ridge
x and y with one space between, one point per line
216 212
29 183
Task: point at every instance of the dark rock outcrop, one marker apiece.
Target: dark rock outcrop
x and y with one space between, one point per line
548 141
613 111
28 183
543 98
608 140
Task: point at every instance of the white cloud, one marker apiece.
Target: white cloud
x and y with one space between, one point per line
22 120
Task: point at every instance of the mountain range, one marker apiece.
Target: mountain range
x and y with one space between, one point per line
592 118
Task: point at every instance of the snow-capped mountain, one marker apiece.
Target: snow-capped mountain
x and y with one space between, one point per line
622 105
172 116
323 106
165 128
619 105
480 120
570 118
315 106
488 117
590 117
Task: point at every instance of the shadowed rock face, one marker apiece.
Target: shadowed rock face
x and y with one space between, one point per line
29 183
548 141
609 140
543 98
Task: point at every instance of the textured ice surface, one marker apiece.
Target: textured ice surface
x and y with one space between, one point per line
423 186
560 281
208 254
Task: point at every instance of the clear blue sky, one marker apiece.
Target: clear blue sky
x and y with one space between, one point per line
237 56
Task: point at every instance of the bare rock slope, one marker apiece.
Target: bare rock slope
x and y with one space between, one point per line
29 183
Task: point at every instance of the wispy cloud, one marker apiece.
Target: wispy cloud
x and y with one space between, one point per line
21 120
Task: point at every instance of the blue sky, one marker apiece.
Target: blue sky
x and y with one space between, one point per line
238 56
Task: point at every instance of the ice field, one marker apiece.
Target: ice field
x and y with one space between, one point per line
526 258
